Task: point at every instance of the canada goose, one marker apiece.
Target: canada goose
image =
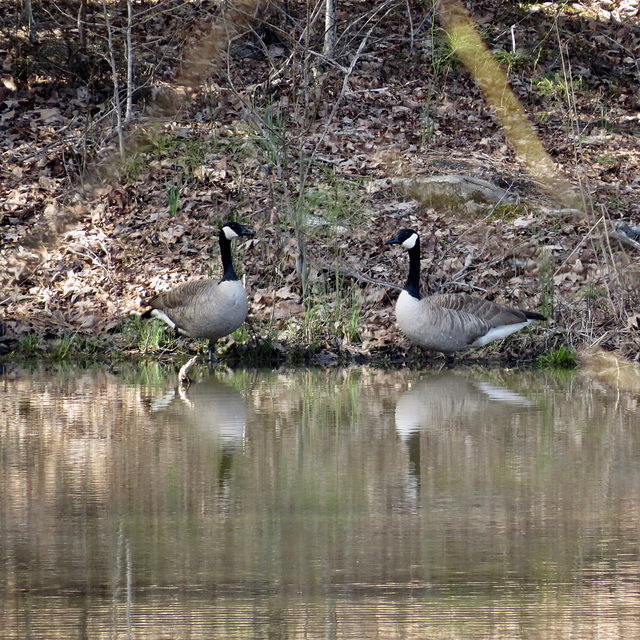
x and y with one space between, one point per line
450 322
206 308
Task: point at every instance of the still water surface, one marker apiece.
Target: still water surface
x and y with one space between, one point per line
311 504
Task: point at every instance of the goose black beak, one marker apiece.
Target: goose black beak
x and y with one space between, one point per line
246 232
394 240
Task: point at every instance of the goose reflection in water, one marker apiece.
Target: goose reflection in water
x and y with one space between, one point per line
439 400
216 409
433 401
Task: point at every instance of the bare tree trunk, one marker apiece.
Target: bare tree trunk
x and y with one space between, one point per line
116 84
330 36
129 56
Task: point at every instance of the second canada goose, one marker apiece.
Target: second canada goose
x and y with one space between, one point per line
206 308
450 322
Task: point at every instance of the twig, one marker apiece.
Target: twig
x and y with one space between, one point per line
411 30
183 374
356 275
624 240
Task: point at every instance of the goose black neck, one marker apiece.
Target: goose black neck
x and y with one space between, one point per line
228 272
412 286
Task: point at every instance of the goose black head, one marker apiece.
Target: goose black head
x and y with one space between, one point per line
405 237
235 230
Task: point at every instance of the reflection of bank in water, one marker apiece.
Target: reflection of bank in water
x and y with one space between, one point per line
216 409
435 402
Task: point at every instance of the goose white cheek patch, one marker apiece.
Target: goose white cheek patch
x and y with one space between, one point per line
230 233
410 242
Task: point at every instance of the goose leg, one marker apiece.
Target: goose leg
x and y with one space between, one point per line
212 346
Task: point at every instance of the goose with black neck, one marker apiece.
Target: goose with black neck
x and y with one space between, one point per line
206 308
448 323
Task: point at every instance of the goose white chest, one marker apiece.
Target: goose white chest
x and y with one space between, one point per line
407 309
410 315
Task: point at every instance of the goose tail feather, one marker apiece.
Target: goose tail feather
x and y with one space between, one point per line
532 315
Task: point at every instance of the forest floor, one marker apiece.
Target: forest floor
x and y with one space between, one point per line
313 154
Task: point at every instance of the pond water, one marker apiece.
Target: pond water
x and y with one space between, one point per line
328 503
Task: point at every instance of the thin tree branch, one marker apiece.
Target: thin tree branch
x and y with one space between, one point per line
116 84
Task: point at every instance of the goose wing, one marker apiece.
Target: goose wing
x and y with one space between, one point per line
491 314
182 294
439 323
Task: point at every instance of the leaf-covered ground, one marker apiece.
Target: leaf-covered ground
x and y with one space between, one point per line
241 116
